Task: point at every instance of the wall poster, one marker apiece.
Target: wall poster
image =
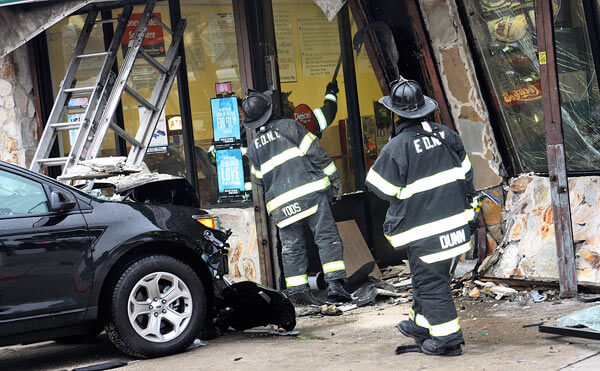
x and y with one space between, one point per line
285 46
319 43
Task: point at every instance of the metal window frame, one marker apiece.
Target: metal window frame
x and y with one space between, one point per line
557 162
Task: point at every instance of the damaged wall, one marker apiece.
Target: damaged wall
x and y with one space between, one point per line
18 126
528 249
457 73
244 259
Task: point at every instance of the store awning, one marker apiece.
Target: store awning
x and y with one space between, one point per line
21 23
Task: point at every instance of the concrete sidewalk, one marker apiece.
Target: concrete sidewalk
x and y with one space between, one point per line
359 340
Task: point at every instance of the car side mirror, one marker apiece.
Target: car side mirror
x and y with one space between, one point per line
60 202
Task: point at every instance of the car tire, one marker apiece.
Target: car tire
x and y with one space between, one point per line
157 308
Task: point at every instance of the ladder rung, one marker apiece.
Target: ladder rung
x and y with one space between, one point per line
162 24
86 89
66 125
53 161
109 20
93 55
153 61
139 98
125 135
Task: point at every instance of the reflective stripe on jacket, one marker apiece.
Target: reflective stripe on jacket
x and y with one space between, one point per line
293 168
428 182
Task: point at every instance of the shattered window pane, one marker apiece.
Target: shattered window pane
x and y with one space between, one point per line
505 40
578 84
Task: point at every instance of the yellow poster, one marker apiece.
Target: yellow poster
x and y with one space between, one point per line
285 46
319 44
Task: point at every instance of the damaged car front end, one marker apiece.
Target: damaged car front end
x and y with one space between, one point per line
238 306
133 255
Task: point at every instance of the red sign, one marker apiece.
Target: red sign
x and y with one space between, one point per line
154 42
304 115
522 93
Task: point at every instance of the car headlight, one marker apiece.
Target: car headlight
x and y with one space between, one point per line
210 221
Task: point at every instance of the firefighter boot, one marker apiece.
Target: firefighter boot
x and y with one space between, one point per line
411 330
303 298
433 348
336 291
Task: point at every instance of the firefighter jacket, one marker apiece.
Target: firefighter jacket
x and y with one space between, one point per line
426 175
326 113
293 168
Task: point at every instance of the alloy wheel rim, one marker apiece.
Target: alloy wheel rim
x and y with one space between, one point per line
160 307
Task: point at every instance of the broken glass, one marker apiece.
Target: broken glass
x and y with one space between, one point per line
589 317
504 37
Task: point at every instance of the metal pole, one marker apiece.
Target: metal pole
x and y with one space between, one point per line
189 146
557 167
354 124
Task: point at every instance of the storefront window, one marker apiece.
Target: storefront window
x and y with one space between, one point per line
211 56
308 51
505 40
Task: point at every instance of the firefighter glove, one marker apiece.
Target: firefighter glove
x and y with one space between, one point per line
332 88
338 191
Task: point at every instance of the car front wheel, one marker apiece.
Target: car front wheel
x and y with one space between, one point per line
157 307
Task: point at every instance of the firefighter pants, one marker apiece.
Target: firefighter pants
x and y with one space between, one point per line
433 306
327 239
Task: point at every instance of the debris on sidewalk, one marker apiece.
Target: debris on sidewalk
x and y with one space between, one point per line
281 332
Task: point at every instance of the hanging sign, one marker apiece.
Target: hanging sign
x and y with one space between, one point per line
225 119
304 115
154 42
230 171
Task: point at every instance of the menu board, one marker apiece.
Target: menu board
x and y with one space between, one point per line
221 38
285 46
319 43
194 56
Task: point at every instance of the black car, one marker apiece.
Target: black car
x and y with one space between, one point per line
149 269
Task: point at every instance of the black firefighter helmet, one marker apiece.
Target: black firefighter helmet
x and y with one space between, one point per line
257 108
407 100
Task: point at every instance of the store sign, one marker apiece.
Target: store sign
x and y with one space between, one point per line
225 119
304 115
522 94
154 42
159 141
174 123
230 171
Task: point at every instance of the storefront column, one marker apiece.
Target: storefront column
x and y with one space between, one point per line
557 168
184 104
246 38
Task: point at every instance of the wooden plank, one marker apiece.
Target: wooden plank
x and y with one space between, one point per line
356 251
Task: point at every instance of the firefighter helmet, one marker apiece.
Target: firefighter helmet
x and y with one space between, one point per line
407 100
257 108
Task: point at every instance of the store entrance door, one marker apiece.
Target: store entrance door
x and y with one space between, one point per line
341 108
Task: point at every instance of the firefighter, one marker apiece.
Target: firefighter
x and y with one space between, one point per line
425 174
299 181
324 115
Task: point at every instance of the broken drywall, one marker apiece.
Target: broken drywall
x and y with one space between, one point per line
460 83
528 250
244 258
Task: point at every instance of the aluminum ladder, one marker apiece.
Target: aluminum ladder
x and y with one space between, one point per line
105 95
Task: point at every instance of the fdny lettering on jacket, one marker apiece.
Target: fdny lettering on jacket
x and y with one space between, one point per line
427 143
266 138
453 239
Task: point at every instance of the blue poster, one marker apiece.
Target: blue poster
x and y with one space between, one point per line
230 170
225 119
